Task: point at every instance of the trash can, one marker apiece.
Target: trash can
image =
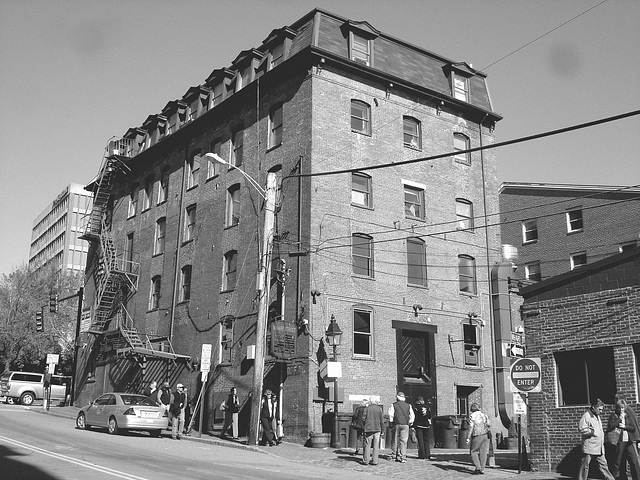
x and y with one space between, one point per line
387 433
344 421
445 431
463 431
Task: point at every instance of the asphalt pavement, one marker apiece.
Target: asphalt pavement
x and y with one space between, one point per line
446 463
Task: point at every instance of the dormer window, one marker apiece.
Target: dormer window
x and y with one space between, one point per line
277 55
459 75
361 37
360 49
460 87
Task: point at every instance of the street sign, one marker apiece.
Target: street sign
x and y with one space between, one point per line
53 358
516 350
205 358
519 405
526 375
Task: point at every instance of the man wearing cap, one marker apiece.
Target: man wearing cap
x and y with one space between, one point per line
177 411
401 417
590 427
164 396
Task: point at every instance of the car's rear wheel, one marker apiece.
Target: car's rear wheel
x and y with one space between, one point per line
11 400
113 426
27 398
155 433
81 422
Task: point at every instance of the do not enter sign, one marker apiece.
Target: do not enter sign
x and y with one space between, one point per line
525 375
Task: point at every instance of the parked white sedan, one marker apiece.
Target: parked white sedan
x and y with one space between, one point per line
123 411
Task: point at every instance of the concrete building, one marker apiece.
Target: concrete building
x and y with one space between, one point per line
584 325
369 230
559 227
56 231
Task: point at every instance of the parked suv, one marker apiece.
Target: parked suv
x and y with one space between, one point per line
27 387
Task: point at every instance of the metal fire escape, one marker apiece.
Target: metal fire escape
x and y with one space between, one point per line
116 274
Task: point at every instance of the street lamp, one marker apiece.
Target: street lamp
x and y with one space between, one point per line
334 337
263 284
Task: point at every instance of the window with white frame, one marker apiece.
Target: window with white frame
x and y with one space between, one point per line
464 214
460 87
416 262
226 339
360 117
233 206
467 274
578 259
237 147
133 201
193 170
189 223
362 254
471 345
414 202
461 143
277 54
214 168
154 294
360 48
411 133
185 283
530 231
245 76
216 98
532 271
574 220
163 187
275 126
585 375
362 331
361 190
146 193
161 231
230 266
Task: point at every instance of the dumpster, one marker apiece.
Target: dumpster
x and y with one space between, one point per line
445 431
344 421
463 431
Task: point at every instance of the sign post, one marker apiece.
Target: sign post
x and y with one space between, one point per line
205 368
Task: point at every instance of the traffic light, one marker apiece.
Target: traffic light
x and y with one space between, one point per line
53 302
39 322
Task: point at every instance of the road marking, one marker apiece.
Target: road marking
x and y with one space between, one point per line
80 463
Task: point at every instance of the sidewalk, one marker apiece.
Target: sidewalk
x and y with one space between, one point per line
448 463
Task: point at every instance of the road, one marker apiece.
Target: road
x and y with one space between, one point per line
43 447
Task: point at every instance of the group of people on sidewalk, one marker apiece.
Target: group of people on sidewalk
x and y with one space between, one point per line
175 403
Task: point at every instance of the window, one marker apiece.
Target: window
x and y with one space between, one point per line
360 49
146 193
413 202
230 270
193 109
163 191
460 143
189 224
361 190
277 55
585 375
529 231
464 214
467 274
574 221
275 126
226 339
362 332
128 253
245 76
411 133
532 271
133 201
217 94
193 169
161 231
416 262
626 246
360 117
362 254
471 345
213 168
154 294
185 283
237 147
460 87
233 206
578 259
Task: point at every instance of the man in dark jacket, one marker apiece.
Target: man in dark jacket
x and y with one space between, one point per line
372 430
231 409
629 436
422 426
177 411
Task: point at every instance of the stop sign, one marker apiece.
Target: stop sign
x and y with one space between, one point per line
526 375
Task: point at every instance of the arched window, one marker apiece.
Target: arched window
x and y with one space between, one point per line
416 262
412 136
360 117
467 274
362 254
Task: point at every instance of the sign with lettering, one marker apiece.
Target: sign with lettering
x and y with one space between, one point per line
205 358
526 375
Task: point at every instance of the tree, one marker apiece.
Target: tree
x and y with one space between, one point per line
22 293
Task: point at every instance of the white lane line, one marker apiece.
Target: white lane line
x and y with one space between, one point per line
80 463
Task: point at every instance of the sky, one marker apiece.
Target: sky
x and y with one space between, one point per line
74 73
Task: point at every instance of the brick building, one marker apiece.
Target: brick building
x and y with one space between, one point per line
584 325
558 227
394 246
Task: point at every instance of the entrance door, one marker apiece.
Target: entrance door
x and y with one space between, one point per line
416 365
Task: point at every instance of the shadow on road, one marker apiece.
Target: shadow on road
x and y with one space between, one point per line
12 467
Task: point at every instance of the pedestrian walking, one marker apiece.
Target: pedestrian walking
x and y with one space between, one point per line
626 451
401 417
231 408
422 426
267 414
177 409
373 425
357 422
611 439
590 427
478 438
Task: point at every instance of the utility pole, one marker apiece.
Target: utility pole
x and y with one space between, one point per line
264 285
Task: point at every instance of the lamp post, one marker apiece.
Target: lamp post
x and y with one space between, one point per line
334 337
263 284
